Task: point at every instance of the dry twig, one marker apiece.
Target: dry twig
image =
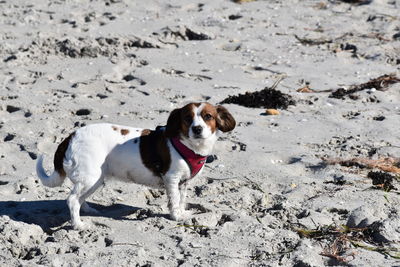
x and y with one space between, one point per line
385 164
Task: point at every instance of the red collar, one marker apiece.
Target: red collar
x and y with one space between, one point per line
195 162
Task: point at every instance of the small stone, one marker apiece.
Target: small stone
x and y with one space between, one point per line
108 241
348 47
232 47
129 78
83 112
89 51
101 96
379 118
235 17
12 109
303 214
32 155
272 111
305 89
9 137
10 58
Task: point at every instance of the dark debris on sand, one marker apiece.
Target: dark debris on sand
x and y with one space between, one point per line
381 83
382 179
357 2
266 98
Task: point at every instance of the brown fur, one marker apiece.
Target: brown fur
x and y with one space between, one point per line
212 123
146 132
177 122
173 123
187 115
155 152
225 121
60 154
124 131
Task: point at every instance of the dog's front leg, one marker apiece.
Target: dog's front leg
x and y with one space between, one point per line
183 193
175 198
172 187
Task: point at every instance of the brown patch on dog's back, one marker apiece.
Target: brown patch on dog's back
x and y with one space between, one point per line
124 131
60 154
154 151
115 128
145 132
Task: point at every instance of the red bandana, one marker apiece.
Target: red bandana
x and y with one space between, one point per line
195 162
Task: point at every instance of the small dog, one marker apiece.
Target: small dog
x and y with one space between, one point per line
164 158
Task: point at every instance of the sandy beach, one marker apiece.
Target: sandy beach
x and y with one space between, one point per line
316 184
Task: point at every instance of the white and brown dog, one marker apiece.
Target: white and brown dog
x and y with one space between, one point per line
164 158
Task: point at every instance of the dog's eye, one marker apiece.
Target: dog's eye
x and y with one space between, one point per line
188 119
207 117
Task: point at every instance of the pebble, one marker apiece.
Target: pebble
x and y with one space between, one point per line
235 17
9 137
231 46
83 112
272 111
32 155
108 241
12 109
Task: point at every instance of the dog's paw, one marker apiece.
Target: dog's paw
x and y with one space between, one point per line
80 226
181 215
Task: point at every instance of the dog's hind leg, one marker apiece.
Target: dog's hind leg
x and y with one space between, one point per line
83 188
85 207
74 205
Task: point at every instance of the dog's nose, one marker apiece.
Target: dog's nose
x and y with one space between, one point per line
197 129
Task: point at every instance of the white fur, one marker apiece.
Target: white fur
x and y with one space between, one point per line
51 181
204 145
98 151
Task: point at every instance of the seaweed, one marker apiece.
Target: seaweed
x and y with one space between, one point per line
268 97
382 180
306 41
381 83
341 239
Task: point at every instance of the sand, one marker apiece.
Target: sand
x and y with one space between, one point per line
65 64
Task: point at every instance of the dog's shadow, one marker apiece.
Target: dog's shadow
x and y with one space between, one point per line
54 213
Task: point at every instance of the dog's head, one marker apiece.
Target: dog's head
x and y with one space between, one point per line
199 121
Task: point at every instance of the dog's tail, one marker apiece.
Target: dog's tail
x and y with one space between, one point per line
58 175
55 179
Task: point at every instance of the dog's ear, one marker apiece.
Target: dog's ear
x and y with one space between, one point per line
173 123
225 121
